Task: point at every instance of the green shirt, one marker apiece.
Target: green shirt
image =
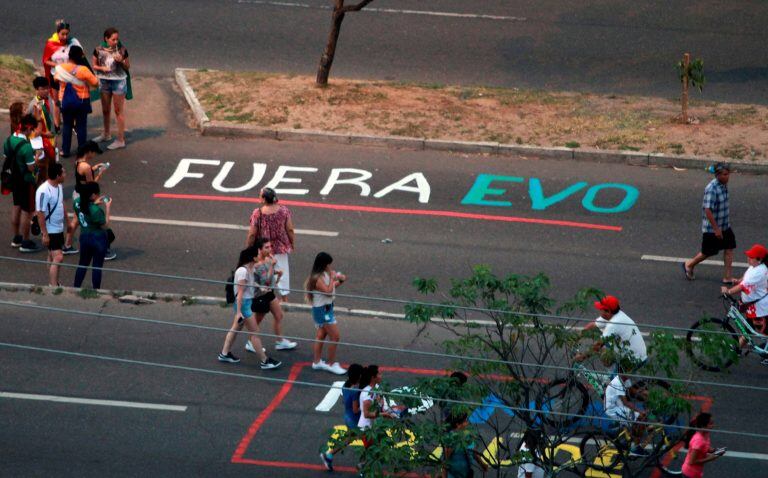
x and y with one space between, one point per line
91 220
24 157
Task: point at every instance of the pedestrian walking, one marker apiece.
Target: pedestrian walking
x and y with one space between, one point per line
55 53
93 232
273 221
350 394
51 214
84 174
111 63
24 162
717 234
321 287
75 79
267 276
245 288
700 450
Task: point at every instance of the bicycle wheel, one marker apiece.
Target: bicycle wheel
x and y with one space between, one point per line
599 453
712 351
566 398
671 459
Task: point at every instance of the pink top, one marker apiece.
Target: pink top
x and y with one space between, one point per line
273 227
700 442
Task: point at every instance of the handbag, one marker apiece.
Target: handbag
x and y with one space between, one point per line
260 303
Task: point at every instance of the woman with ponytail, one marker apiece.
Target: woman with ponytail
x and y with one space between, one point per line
93 232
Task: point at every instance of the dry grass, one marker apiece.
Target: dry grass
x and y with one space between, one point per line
16 77
505 115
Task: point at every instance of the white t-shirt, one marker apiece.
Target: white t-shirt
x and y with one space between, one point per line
626 330
614 407
365 395
318 298
755 285
50 200
242 274
537 471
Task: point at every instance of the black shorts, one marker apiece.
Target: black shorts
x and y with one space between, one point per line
55 241
24 196
711 245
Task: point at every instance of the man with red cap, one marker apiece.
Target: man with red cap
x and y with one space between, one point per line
619 331
754 290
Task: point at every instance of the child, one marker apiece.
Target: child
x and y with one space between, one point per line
321 286
351 396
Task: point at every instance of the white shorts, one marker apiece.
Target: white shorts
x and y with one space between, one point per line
285 281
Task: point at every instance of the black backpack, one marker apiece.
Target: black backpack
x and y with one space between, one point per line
8 173
229 289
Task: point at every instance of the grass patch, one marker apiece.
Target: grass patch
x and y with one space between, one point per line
411 130
17 64
573 144
58 291
737 116
88 294
735 151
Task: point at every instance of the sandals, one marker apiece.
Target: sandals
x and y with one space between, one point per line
688 273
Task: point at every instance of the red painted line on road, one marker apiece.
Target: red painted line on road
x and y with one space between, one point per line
407 212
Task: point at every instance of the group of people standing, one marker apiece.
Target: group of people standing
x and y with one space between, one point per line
35 175
260 284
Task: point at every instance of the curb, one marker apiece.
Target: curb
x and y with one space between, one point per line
234 130
187 300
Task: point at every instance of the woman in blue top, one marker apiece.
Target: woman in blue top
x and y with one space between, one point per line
351 396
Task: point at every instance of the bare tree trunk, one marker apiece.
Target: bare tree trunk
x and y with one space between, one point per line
324 69
686 63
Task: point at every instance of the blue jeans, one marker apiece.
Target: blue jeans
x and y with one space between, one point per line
77 118
93 247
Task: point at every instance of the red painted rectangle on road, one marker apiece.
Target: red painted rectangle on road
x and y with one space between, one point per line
405 212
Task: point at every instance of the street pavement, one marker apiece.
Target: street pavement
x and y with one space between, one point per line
618 47
214 419
576 222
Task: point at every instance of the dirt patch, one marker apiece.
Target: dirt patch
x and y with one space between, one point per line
16 77
504 115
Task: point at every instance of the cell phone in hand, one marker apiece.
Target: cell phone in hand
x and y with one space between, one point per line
720 451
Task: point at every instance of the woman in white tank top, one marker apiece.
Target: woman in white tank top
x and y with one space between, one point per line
321 287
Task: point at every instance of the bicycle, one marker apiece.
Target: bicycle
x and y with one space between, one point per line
611 454
558 396
713 344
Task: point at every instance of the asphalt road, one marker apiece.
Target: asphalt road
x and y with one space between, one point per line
214 419
605 46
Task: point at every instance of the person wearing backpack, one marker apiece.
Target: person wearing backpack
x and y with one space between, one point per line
75 79
19 176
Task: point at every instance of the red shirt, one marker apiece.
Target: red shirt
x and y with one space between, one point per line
273 227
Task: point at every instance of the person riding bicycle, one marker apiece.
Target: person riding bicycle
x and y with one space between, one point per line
620 408
753 287
619 332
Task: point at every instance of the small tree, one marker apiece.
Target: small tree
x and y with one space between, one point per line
690 73
339 11
515 357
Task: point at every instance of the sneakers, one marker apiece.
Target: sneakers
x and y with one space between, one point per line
28 246
102 138
110 255
285 344
327 461
637 450
321 365
336 368
116 145
229 358
270 363
249 347
16 241
68 250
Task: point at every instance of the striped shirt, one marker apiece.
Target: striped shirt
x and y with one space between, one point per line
716 200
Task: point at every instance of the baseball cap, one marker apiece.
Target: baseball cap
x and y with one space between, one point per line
757 251
608 303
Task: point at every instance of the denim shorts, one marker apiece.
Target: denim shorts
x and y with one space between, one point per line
245 309
323 315
116 87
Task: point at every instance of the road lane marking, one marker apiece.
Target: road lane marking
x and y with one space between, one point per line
90 401
709 262
211 225
477 16
330 398
404 212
